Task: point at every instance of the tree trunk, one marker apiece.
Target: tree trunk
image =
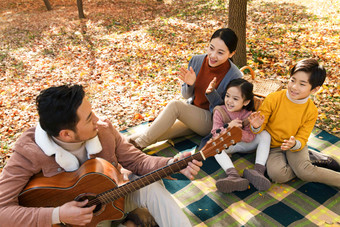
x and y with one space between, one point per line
48 5
237 22
80 9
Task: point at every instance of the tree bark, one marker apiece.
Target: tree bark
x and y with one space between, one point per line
48 5
237 18
80 9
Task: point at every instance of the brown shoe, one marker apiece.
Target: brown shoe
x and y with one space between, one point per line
329 163
141 217
233 182
256 177
323 160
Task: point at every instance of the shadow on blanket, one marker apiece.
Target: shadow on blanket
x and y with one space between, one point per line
295 203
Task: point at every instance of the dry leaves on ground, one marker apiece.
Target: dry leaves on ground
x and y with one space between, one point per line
126 53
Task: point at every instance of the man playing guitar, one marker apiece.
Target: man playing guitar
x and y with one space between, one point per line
69 134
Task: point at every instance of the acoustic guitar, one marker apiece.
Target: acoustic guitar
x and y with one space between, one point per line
103 185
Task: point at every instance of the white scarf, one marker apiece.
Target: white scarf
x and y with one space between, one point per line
64 158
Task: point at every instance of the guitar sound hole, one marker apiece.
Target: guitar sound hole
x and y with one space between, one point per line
91 202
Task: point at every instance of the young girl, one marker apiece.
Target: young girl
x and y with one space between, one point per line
214 69
238 105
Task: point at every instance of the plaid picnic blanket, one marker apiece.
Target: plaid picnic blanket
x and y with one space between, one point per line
295 203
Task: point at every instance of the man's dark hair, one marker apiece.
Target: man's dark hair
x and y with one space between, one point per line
57 108
317 72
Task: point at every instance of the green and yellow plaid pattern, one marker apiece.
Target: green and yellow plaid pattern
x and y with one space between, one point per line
295 203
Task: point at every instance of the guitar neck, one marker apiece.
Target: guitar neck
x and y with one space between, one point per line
213 147
123 190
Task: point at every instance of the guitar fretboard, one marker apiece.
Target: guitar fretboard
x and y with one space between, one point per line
123 190
212 147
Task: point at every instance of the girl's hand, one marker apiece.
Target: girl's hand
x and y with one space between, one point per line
211 86
256 119
237 123
288 144
187 76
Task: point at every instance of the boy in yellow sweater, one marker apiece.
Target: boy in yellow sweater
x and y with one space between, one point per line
289 116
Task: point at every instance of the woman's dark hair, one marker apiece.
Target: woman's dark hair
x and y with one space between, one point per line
311 65
57 108
228 36
246 90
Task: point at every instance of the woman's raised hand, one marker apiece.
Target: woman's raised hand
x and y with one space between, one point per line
187 76
211 86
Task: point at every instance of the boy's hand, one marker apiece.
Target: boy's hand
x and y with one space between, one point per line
256 119
236 122
211 86
288 144
187 76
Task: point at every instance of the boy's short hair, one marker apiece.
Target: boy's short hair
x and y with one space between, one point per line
57 108
311 65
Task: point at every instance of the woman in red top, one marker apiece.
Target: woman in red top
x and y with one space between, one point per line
204 86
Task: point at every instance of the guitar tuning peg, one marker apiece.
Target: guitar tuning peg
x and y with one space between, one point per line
221 138
232 141
213 143
225 145
228 133
218 151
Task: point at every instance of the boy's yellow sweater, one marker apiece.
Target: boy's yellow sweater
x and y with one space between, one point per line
284 118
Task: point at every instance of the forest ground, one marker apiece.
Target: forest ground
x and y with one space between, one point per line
127 53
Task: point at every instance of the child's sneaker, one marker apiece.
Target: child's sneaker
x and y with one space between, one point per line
323 160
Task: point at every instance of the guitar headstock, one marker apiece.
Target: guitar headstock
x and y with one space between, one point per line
221 142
